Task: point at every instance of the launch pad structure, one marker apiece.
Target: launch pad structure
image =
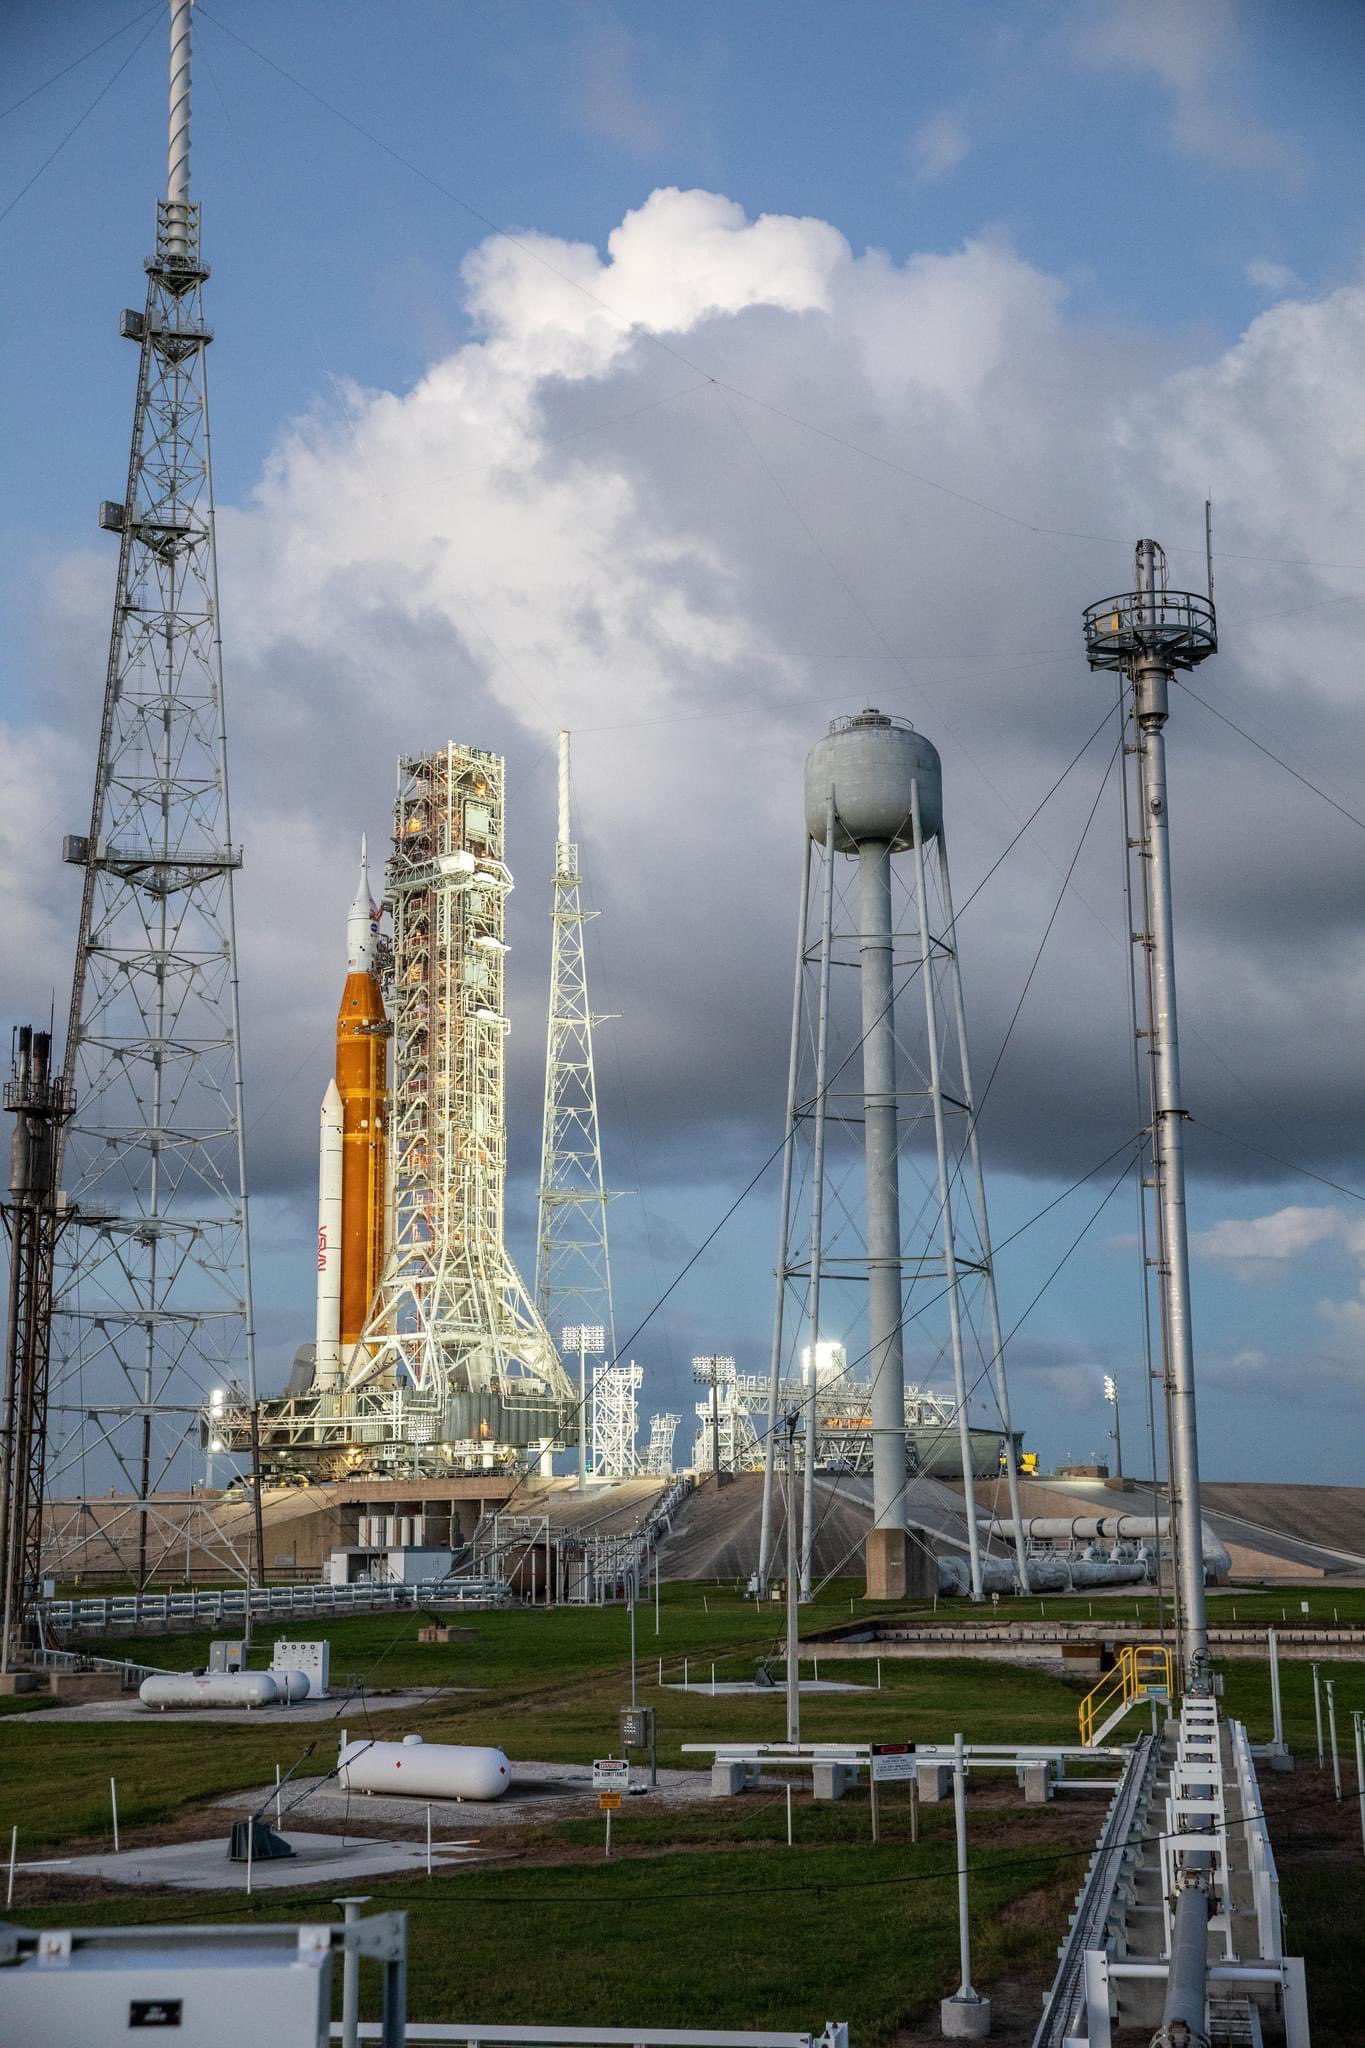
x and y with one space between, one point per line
454 1368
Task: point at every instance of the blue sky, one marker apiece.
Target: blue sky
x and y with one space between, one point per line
1120 262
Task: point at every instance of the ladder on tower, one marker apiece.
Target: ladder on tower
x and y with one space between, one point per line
1144 1672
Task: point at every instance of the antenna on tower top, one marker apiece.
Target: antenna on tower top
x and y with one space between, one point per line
178 137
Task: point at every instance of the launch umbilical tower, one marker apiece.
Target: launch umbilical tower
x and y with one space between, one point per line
873 791
153 1288
573 1268
454 1349
1145 635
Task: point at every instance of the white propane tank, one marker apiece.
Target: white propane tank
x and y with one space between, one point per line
292 1686
423 1770
210 1689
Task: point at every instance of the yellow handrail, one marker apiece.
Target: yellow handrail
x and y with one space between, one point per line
1143 1671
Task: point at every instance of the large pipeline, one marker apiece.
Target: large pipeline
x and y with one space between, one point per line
1182 2016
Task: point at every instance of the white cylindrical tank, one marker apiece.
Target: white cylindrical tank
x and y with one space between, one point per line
292 1686
211 1689
405 1532
391 1532
423 1770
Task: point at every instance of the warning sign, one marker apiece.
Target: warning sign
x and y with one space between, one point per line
611 1774
609 1802
892 1762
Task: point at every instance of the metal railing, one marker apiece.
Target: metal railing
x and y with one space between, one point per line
835 2035
1144 1671
228 1604
1265 1879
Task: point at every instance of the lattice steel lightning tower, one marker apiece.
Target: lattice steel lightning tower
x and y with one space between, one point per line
573 1267
33 1222
153 1296
874 1096
1145 635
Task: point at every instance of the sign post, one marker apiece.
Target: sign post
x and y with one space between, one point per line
610 1778
893 1763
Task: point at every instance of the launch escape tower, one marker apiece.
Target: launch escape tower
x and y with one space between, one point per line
1145 635
920 1236
573 1270
153 1286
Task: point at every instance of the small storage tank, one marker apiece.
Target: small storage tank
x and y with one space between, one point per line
292 1686
211 1689
423 1770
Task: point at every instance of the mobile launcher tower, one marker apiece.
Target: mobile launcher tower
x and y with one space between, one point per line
453 1367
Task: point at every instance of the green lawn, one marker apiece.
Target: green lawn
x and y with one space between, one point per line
700 1919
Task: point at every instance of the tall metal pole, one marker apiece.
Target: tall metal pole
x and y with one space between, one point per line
1149 633
1002 1396
945 1199
784 1208
817 1198
1151 687
793 1593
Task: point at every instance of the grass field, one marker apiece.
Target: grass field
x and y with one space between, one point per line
703 1917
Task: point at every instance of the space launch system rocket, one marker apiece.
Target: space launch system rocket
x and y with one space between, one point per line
352 1152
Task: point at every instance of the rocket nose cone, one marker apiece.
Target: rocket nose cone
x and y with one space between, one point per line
331 1101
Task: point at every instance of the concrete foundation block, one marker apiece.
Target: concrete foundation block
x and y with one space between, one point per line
727 1779
965 2019
935 1783
831 1781
12 1682
1036 1782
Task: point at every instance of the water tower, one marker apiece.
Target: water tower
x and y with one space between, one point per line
880 1091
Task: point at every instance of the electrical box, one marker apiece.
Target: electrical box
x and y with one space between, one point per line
227 1656
76 849
637 1727
213 1995
132 326
313 1659
113 516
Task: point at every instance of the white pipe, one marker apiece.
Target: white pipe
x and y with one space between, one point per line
964 1931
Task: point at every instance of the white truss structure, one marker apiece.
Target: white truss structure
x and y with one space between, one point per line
452 1316
152 1305
614 1421
573 1269
843 1420
663 1431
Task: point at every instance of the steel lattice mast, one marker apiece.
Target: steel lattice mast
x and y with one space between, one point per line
573 1268
153 1297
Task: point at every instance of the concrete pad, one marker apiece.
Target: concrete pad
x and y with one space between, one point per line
317 1859
130 1708
728 1778
538 1792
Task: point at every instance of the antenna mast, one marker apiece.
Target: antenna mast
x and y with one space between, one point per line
573 1270
153 1295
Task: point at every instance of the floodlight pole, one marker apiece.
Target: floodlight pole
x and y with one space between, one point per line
793 1591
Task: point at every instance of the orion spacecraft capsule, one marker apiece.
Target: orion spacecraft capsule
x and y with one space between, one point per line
353 1164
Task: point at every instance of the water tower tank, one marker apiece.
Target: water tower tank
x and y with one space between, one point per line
870 761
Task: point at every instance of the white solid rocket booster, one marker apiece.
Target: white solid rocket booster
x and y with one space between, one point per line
327 1350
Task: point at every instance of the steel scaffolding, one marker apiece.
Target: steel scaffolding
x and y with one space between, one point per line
153 1285
573 1269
